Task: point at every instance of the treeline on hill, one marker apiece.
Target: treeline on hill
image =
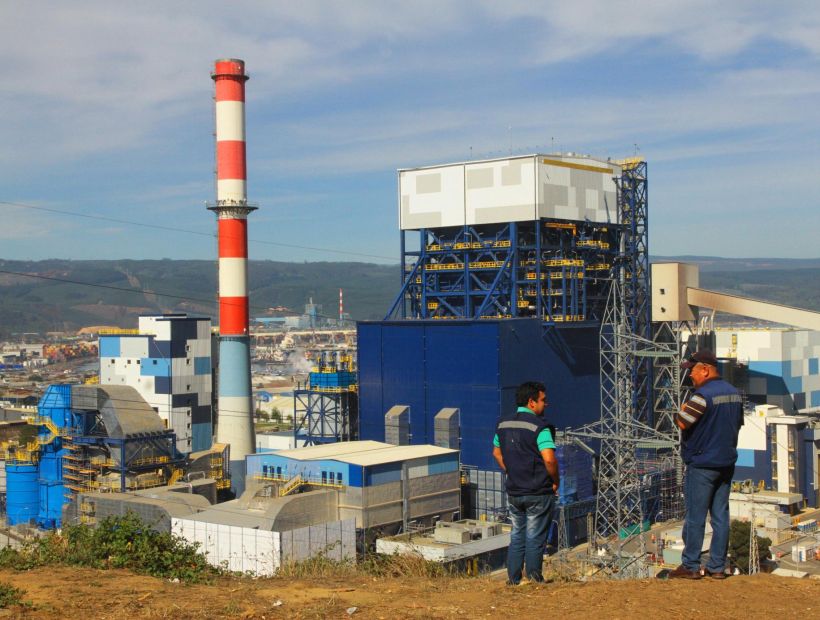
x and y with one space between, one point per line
72 294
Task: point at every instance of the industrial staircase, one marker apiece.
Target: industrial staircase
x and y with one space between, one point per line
292 485
53 429
176 476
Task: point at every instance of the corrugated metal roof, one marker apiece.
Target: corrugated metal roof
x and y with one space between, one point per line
363 452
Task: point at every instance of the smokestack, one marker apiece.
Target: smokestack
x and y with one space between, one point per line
235 407
341 308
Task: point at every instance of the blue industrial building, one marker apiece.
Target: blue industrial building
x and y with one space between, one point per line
350 464
89 438
168 361
474 366
506 266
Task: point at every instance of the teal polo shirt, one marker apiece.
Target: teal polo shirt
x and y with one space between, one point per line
545 440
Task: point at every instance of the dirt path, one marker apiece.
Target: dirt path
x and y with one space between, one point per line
88 594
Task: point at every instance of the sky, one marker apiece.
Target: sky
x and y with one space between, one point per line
106 113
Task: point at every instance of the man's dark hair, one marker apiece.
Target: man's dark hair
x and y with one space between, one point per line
527 391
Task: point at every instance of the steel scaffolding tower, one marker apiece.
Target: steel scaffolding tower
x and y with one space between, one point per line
326 409
552 269
622 488
632 196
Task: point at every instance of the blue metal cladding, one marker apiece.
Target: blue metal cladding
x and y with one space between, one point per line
155 367
200 436
341 378
51 492
162 385
22 488
109 346
234 366
271 464
55 405
382 474
809 466
475 366
754 465
575 468
202 365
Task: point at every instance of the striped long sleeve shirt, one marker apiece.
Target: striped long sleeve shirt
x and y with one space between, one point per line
691 411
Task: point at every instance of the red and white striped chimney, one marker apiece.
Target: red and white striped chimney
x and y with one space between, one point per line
341 307
235 409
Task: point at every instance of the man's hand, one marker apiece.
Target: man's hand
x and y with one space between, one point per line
499 458
555 488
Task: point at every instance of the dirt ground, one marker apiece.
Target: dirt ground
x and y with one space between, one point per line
87 594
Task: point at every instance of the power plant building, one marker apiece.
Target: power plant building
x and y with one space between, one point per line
506 265
168 362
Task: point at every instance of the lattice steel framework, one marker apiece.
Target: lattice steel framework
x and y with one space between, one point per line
322 417
622 489
633 203
552 269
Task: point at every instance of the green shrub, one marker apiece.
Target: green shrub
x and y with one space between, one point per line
10 596
739 532
117 542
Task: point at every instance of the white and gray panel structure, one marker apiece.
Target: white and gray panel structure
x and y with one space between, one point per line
515 189
169 363
235 405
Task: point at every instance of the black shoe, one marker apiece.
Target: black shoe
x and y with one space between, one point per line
681 572
718 575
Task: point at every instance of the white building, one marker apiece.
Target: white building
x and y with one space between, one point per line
169 363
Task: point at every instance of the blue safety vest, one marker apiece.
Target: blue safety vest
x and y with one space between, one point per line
712 441
518 439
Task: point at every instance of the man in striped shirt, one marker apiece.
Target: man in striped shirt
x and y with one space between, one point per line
710 422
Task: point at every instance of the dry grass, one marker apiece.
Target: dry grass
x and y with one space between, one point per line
374 565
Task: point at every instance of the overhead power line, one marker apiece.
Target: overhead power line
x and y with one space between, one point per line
104 218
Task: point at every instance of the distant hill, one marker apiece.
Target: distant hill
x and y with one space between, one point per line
70 294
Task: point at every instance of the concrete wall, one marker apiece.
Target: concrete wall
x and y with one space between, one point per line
261 553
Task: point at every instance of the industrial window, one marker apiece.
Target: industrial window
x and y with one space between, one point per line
139 362
155 362
129 361
338 477
187 361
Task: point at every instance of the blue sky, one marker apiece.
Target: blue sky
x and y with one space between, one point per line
107 111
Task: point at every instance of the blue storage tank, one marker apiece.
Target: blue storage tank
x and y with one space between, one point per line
23 492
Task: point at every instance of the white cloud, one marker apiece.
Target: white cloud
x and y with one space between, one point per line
85 81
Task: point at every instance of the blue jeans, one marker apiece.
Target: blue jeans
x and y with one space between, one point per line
706 489
530 516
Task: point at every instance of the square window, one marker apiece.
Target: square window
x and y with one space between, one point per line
155 362
139 362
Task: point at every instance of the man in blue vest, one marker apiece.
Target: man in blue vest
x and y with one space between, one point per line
524 447
710 421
